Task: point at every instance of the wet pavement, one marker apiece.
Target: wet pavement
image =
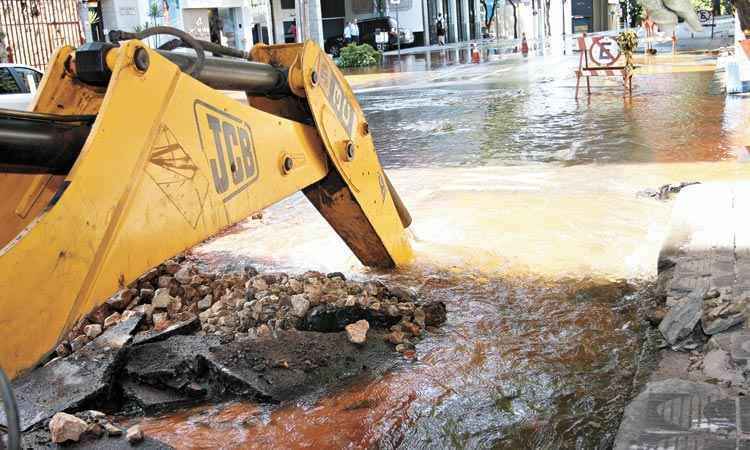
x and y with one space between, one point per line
527 225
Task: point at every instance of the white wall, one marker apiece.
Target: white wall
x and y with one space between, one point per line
279 17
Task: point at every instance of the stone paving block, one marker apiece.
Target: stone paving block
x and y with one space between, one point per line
681 414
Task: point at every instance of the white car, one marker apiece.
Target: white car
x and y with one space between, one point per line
18 85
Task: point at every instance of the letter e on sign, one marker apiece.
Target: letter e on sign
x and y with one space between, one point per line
604 51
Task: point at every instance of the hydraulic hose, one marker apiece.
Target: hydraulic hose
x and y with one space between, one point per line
116 36
11 413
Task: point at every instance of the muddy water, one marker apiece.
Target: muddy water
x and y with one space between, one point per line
526 221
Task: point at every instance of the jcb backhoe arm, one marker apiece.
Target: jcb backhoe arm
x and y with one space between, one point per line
127 161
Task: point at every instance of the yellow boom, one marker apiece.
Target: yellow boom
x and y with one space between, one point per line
167 162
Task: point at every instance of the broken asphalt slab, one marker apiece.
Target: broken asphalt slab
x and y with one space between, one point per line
266 369
294 363
72 382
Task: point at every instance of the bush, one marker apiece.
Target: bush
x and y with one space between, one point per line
354 55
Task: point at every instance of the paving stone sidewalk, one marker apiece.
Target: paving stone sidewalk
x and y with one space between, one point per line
704 271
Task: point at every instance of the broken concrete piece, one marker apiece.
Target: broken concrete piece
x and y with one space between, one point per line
718 364
183 275
682 318
134 434
719 324
205 302
112 320
66 427
357 331
300 305
160 319
112 430
122 299
78 379
92 331
78 343
395 337
161 299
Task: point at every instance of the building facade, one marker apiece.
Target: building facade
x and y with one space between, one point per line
234 23
242 23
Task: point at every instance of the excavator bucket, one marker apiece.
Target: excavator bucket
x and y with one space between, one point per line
127 160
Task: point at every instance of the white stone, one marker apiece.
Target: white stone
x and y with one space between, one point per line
160 318
183 275
134 434
112 320
205 302
357 331
260 284
300 305
92 331
66 427
162 299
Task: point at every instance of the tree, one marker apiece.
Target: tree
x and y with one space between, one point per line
743 12
489 11
515 19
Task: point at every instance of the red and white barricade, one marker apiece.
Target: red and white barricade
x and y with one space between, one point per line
601 57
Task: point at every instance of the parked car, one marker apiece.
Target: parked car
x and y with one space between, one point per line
368 30
18 85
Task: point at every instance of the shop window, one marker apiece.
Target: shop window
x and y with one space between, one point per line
333 8
287 4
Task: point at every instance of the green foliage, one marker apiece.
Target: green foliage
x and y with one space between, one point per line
354 55
628 42
702 4
634 11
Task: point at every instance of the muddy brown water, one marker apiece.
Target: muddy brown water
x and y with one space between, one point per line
526 223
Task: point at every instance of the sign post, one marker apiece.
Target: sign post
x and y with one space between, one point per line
398 25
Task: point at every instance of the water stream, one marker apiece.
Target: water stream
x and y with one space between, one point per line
527 223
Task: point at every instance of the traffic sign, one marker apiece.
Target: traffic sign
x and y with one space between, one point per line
604 51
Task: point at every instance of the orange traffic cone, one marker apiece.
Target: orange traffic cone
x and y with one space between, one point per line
524 46
475 56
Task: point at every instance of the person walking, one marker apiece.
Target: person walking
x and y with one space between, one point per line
348 33
354 30
440 30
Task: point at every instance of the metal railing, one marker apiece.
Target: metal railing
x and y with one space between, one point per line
34 29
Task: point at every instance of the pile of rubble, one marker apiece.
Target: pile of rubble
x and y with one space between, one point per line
179 295
181 335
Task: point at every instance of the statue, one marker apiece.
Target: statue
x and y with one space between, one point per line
666 12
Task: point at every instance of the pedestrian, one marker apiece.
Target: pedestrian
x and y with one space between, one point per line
355 31
348 33
293 31
440 30
524 45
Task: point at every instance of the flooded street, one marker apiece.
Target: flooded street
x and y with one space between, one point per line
527 224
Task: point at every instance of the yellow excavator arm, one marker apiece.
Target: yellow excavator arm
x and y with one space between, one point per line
127 160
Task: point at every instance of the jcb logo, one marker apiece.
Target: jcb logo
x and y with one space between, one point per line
227 144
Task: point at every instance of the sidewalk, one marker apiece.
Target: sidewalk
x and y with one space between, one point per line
697 397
